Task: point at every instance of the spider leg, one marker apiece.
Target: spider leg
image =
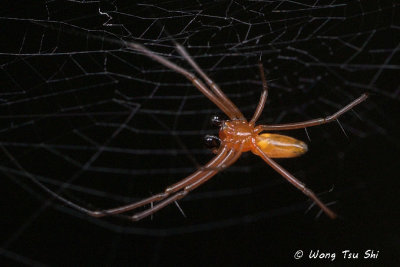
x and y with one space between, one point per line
213 166
190 76
263 96
228 160
214 87
222 154
294 181
209 167
305 124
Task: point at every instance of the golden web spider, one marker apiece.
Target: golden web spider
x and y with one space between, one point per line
236 135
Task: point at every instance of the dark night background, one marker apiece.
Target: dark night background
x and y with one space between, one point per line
81 111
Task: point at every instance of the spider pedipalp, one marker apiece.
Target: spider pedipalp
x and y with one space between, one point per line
212 142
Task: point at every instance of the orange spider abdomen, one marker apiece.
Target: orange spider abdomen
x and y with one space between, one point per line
280 146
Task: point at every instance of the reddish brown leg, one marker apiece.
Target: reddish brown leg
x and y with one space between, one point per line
263 97
190 76
210 166
220 161
226 162
305 124
294 181
214 87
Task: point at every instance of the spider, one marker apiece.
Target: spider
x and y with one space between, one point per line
236 135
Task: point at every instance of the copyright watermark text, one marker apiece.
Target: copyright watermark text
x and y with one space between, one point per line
331 255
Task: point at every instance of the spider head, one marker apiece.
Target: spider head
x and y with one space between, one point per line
212 142
216 121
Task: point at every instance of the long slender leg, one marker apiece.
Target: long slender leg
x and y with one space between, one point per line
203 172
294 181
226 164
214 87
210 166
305 124
229 160
263 97
190 76
196 82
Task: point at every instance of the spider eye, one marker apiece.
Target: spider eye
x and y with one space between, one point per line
216 121
212 141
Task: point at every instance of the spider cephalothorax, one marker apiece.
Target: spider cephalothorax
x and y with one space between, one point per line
238 134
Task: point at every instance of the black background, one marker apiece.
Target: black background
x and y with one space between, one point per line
247 215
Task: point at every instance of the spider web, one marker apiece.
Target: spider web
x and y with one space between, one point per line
104 126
